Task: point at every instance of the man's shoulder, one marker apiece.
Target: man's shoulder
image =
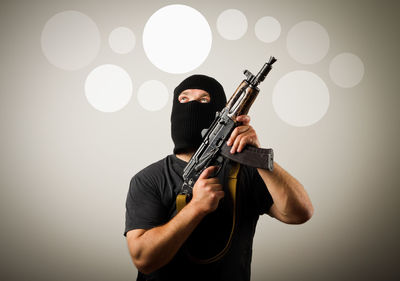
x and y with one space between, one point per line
148 177
154 168
155 178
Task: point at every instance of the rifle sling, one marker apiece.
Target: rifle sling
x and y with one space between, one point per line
251 156
232 184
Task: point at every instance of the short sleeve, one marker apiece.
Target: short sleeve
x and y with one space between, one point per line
257 191
144 208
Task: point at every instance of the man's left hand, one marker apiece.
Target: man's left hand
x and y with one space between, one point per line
243 135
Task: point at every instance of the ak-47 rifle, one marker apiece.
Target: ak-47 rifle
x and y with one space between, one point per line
213 150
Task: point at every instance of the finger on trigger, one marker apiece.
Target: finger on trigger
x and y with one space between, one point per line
207 172
221 194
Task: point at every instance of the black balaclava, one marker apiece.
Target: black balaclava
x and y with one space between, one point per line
189 119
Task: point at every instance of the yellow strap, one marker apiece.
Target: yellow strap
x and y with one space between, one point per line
181 202
232 189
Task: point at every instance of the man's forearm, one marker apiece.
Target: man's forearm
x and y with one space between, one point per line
291 202
155 247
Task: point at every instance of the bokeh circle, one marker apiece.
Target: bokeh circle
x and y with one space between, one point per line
346 70
177 39
153 95
232 24
300 98
122 40
307 42
108 88
267 29
70 40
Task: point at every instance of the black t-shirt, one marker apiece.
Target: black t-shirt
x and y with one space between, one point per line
151 202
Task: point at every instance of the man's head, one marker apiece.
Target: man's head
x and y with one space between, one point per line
196 100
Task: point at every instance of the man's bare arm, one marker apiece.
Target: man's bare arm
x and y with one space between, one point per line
151 249
154 248
291 202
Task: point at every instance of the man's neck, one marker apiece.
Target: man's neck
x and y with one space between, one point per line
185 156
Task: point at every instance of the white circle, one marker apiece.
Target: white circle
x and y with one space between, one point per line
346 70
308 42
232 24
153 95
70 40
300 98
122 40
268 29
177 39
108 88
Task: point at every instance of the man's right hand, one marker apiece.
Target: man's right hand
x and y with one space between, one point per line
155 247
207 192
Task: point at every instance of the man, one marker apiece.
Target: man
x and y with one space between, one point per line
161 241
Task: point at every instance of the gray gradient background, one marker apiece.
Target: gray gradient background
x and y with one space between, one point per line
65 167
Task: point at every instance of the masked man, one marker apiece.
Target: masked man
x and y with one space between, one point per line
211 238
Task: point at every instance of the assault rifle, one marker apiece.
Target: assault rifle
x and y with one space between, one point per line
213 150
